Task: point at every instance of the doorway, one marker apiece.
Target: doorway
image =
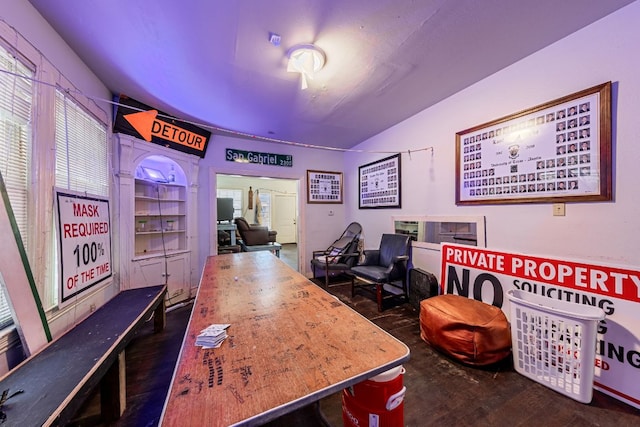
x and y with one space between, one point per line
272 202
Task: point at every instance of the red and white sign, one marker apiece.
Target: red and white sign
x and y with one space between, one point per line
487 276
84 231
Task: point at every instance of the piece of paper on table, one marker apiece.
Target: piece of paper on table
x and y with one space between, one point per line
212 336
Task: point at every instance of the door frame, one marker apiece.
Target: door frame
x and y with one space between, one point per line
300 180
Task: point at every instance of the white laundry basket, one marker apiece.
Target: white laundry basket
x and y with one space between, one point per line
554 342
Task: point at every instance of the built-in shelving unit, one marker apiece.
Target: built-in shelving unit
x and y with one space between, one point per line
157 218
160 218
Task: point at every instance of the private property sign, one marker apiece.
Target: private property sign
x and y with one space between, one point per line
487 276
139 120
84 231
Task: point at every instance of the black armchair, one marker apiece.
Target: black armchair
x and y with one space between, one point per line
340 256
384 270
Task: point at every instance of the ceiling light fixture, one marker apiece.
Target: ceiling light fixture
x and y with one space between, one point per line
307 60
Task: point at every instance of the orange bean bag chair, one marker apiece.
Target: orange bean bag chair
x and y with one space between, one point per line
470 331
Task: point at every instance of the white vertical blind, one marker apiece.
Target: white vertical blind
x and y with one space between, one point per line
16 97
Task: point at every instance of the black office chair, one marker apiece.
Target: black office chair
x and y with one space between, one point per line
340 256
384 271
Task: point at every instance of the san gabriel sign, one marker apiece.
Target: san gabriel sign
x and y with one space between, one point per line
257 158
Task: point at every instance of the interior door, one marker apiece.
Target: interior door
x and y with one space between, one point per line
284 218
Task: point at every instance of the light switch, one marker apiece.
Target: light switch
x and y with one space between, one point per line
558 209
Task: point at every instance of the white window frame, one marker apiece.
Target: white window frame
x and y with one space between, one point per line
82 165
236 195
40 242
16 112
265 202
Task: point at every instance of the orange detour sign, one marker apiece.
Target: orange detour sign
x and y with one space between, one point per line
146 124
162 130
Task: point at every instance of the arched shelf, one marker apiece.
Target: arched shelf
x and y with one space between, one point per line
160 208
157 217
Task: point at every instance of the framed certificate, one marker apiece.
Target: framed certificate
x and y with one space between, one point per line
379 184
324 187
556 152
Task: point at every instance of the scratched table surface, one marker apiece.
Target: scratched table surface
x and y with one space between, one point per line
290 344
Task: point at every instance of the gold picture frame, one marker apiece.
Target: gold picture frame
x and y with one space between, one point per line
559 151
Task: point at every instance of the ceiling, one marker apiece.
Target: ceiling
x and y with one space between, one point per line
210 61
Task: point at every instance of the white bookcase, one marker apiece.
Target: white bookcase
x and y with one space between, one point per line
160 218
157 220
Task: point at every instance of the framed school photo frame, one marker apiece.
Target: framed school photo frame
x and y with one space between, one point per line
556 152
324 187
379 184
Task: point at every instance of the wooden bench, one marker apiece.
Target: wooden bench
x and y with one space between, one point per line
57 380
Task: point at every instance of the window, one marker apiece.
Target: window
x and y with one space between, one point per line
265 208
430 231
16 96
82 162
236 195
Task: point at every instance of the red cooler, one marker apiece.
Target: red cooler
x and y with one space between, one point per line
376 402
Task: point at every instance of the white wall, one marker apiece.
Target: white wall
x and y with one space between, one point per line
601 231
31 25
316 229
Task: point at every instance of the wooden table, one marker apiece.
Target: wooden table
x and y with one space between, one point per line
290 344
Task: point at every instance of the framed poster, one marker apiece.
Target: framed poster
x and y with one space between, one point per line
556 152
324 187
379 184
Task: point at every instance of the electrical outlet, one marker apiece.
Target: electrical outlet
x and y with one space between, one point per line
558 209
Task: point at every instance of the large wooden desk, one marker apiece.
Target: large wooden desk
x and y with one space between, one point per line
290 344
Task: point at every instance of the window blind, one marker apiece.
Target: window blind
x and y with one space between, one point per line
82 162
16 97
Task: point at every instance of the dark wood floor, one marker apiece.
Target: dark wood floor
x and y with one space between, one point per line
439 391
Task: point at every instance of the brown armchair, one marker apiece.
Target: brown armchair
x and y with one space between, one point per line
254 234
